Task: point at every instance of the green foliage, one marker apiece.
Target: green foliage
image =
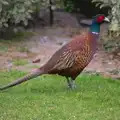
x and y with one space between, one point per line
72 5
13 12
47 98
69 5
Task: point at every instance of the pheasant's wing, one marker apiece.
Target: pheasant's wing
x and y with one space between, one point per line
65 61
64 58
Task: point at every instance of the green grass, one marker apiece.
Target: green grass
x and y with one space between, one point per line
20 62
23 35
3 48
23 49
18 36
47 98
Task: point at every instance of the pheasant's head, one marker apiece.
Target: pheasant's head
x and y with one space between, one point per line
100 19
97 21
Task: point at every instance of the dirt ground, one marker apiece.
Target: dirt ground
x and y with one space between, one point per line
43 45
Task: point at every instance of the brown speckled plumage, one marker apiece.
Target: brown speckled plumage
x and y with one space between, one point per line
71 59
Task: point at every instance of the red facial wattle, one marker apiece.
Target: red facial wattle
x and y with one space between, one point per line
100 19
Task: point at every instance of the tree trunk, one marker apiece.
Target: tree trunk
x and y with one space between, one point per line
51 13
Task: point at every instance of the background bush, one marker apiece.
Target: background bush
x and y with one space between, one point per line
15 11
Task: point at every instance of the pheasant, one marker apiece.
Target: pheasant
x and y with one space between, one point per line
72 58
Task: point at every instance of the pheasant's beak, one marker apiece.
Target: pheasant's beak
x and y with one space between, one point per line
106 19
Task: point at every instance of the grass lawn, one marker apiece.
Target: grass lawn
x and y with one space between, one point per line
47 98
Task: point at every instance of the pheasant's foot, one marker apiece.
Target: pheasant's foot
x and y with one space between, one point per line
68 83
71 84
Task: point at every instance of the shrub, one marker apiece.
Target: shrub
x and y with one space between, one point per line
13 12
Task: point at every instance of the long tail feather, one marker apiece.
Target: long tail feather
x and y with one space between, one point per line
21 80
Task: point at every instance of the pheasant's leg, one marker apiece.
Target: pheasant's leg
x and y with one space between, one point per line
68 82
71 83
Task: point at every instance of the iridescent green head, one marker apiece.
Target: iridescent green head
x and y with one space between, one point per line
97 21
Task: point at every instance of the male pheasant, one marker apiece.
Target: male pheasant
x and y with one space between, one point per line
72 58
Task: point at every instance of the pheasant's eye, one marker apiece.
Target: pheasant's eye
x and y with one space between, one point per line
100 19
